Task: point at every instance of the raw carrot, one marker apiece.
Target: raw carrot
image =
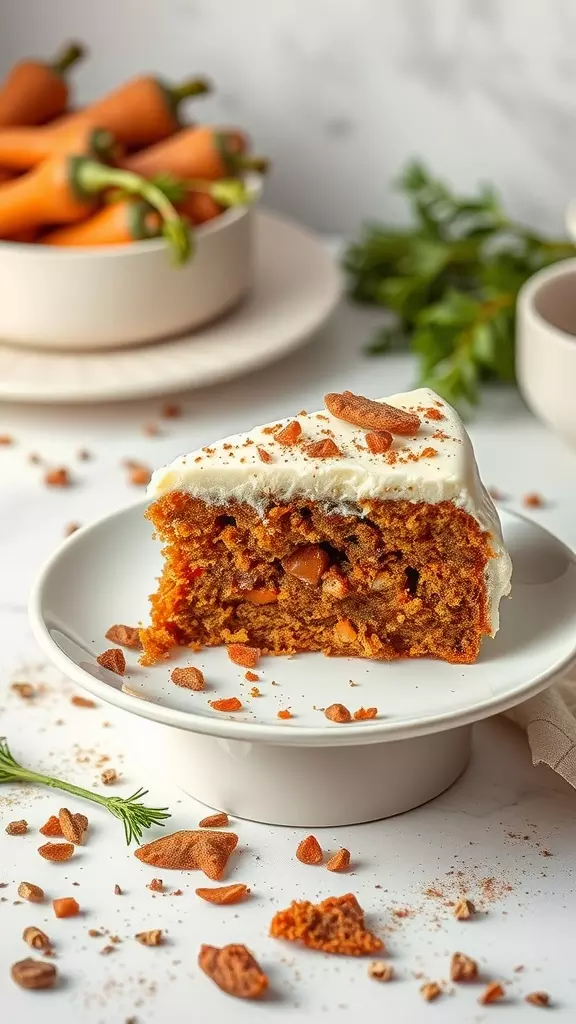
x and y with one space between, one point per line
34 91
22 148
128 220
197 152
140 112
64 189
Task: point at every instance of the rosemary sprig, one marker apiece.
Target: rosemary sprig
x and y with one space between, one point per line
134 815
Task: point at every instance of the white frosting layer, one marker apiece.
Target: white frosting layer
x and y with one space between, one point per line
233 469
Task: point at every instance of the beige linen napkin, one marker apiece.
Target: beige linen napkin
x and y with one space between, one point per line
550 724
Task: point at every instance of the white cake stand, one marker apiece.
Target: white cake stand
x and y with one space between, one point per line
304 771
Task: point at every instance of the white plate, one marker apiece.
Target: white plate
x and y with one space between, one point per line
305 771
104 573
296 287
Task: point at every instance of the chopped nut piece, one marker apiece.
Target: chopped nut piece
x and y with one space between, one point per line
52 827
56 852
340 861
66 906
234 970
113 660
36 938
95 933
124 636
463 968
252 677
171 411
263 455
379 442
325 449
34 974
226 704
106 949
24 690
255 692
156 885
82 702
533 501
31 892
57 477
338 713
492 993
307 563
215 821
380 971
191 850
290 434
17 828
284 715
189 678
464 909
538 999
370 415
71 828
364 713
334 926
151 938
224 894
139 476
71 528
430 991
117 890
240 654
109 776
309 851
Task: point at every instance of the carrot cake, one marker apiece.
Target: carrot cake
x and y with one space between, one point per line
362 529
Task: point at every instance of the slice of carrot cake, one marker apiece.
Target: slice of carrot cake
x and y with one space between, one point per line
363 529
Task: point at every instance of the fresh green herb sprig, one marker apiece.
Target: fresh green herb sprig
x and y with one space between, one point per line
134 816
451 279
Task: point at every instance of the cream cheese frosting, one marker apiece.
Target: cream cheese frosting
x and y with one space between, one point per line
436 464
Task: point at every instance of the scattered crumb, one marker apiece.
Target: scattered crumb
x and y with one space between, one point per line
252 677
117 890
538 999
106 950
109 776
83 455
71 528
492 993
139 476
189 678
171 411
533 500
17 828
6 439
464 909
380 971
364 713
156 885
59 477
430 991
284 714
151 430
113 660
24 690
82 702
151 938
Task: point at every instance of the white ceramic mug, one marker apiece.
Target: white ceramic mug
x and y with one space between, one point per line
546 346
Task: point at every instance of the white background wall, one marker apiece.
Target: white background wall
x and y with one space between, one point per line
342 92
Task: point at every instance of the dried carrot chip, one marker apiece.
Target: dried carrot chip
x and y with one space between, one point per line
226 704
224 894
309 851
113 660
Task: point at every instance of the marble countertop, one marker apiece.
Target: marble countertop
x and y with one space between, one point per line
505 833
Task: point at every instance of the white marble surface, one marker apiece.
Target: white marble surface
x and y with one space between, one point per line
496 822
341 94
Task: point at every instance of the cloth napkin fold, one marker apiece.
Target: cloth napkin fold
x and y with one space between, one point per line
549 721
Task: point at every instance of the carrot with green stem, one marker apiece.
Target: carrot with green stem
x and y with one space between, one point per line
34 91
141 112
198 152
65 190
23 148
129 220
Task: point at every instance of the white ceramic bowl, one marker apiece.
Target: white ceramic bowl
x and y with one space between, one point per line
110 296
304 771
546 346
